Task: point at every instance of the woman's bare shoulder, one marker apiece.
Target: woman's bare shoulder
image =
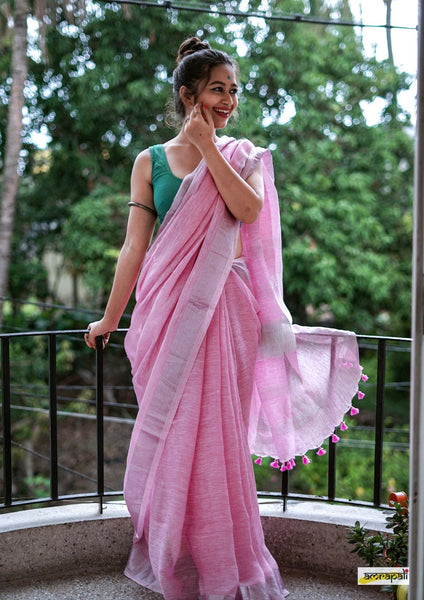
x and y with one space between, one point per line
142 167
143 158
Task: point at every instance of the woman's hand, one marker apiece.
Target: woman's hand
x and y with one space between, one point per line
199 127
94 330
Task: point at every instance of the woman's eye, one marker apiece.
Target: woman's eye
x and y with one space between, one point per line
220 90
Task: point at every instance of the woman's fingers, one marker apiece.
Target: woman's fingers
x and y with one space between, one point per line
206 115
197 114
87 336
91 335
199 126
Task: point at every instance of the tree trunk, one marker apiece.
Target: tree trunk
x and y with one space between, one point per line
13 142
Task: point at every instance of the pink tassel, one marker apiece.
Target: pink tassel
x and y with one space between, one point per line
275 464
258 461
305 460
360 395
335 438
293 463
321 451
354 411
289 466
364 377
343 426
283 468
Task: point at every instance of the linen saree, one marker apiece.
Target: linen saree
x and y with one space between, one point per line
220 373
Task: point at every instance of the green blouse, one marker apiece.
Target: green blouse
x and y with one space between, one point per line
165 183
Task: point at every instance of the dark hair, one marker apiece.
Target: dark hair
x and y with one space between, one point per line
195 61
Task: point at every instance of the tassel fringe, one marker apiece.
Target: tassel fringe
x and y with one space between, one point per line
290 464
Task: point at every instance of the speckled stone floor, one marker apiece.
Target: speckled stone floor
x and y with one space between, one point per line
116 586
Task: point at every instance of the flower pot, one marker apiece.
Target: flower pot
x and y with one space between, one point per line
399 497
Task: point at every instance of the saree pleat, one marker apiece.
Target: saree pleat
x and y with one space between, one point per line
220 373
203 533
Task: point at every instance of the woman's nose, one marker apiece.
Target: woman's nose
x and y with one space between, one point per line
228 99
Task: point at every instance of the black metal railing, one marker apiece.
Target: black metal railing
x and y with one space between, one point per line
374 344
7 442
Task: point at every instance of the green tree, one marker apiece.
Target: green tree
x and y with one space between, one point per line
102 98
345 187
13 93
92 235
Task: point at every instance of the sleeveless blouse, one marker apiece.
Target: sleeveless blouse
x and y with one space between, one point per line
165 183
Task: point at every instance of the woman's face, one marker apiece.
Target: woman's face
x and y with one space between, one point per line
219 95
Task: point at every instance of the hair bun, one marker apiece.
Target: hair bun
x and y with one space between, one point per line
190 46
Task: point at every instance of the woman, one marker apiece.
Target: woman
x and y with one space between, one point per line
218 369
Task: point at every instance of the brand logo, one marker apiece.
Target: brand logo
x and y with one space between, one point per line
383 575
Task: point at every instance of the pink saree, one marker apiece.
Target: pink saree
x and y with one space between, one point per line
220 373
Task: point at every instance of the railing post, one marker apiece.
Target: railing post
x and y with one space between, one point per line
285 488
331 470
379 420
99 421
7 437
331 483
54 489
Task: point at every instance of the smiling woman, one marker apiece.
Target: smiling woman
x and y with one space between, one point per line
218 370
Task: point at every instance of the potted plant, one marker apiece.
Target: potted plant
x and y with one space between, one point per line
386 549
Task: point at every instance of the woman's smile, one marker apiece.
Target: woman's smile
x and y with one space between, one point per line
222 112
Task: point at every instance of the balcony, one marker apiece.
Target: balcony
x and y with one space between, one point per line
73 541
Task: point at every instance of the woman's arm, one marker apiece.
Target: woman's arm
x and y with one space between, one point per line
138 236
244 198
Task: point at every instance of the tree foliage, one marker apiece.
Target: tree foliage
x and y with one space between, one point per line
99 88
345 186
92 235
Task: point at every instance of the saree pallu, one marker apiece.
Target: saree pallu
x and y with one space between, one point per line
220 372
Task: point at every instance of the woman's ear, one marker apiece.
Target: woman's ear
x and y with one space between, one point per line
187 98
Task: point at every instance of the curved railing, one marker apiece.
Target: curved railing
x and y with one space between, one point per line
375 344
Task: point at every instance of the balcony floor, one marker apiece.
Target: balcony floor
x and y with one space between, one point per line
74 553
116 586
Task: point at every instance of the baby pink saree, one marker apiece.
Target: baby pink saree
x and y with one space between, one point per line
220 373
